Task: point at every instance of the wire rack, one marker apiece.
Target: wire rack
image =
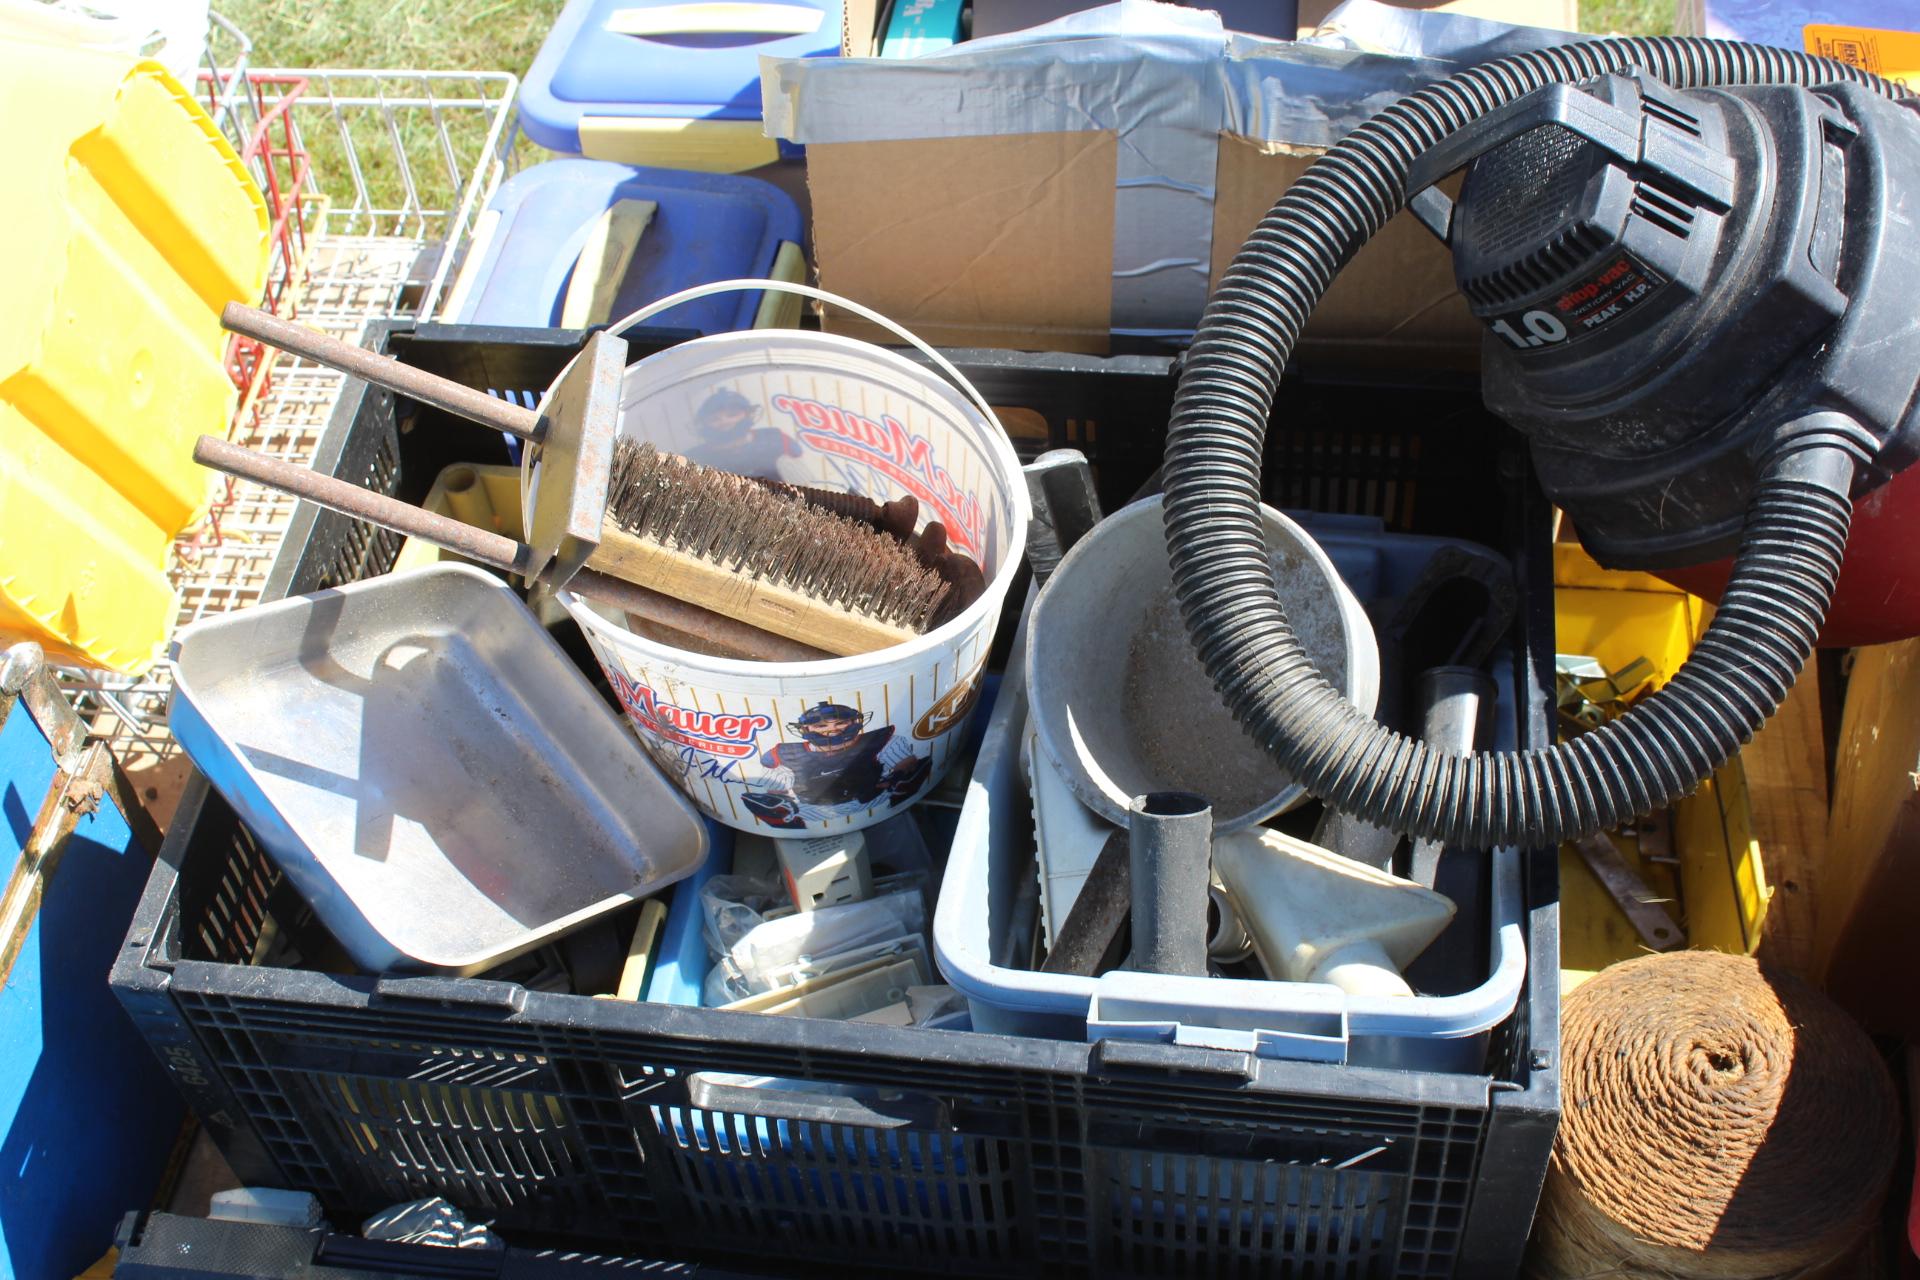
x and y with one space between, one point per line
223 71
373 180
403 163
377 178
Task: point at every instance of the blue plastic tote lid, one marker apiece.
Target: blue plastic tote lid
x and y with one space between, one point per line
709 226
665 59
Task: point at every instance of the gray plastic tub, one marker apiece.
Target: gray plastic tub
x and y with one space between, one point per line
428 768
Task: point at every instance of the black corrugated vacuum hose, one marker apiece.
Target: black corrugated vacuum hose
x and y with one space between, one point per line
1768 620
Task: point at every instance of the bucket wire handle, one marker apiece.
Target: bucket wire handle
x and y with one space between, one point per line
940 362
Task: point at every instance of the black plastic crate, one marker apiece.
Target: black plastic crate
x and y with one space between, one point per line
655 1129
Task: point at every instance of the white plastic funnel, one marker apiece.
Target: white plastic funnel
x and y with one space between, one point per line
1120 703
1318 917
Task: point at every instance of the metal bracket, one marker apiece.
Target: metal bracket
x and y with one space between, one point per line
73 795
84 775
25 677
579 423
1656 838
1636 900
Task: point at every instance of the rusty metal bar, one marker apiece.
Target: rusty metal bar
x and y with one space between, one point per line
1635 898
71 797
25 677
482 545
384 371
496 550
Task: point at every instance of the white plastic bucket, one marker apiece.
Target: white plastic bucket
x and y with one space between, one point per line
805 748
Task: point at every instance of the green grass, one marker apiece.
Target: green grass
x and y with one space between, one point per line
431 35
1628 17
470 35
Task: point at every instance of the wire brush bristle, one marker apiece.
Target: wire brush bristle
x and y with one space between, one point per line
748 529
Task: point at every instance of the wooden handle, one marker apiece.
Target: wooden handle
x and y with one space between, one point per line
383 371
765 605
602 266
737 639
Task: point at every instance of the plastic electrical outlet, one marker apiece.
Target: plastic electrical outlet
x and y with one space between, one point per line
826 871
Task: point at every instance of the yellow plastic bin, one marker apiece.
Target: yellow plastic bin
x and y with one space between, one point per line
487 497
1720 890
128 223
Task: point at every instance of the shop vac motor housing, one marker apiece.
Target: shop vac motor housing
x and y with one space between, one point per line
1671 279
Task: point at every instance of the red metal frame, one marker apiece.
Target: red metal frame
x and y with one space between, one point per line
278 161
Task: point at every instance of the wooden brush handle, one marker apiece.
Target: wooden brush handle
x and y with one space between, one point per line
728 637
497 551
765 605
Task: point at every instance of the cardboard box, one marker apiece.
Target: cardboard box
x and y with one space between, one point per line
1034 273
970 242
1008 239
1399 288
859 28
1008 242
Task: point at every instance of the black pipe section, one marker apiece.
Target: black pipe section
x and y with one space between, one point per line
1453 702
1065 508
1091 939
1170 845
1776 598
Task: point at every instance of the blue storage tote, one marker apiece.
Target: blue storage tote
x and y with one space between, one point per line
89 1116
668 83
708 227
1288 1020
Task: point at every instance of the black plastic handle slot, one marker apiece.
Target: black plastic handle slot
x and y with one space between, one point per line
779 1098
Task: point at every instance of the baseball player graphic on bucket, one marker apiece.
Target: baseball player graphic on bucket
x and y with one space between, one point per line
838 767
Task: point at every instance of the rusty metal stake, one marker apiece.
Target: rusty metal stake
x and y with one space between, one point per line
84 774
384 371
496 550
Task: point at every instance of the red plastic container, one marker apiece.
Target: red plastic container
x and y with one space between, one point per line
1878 598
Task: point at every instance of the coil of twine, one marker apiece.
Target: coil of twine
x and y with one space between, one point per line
1719 1120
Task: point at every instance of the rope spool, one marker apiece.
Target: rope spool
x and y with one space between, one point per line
1719 1120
